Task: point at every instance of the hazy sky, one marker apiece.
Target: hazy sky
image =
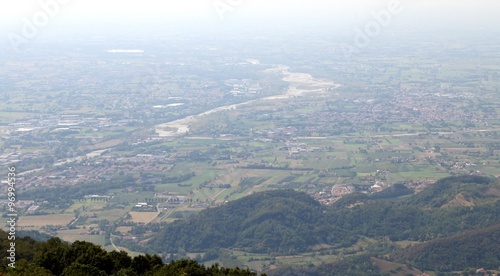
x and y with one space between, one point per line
202 13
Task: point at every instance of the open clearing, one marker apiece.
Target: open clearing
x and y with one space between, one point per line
80 235
143 217
39 221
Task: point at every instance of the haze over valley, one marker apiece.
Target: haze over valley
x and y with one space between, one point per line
285 138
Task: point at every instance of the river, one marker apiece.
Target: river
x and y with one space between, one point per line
299 84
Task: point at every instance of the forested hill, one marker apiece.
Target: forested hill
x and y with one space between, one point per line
477 248
450 206
466 190
288 222
458 214
55 257
282 221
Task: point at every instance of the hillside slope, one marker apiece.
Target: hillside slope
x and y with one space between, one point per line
449 191
289 222
55 257
282 221
477 248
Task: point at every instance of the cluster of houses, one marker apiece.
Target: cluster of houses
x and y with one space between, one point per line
243 87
